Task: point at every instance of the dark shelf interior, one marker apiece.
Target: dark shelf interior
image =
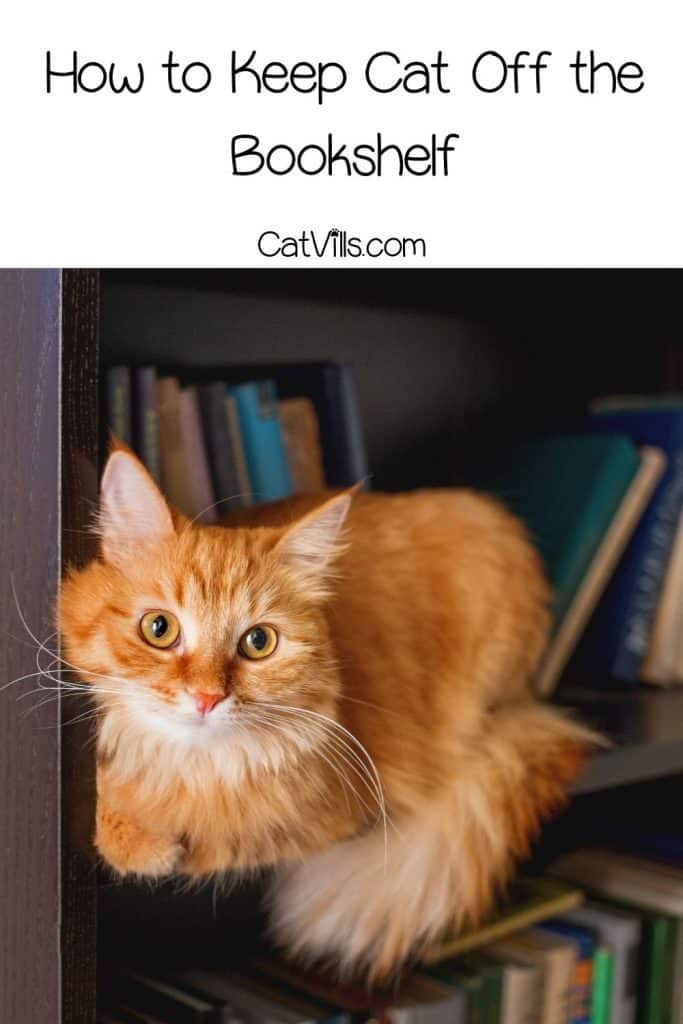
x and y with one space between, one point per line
644 726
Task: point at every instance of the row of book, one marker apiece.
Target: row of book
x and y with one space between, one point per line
549 957
261 433
604 504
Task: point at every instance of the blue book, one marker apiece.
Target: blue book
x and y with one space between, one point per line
617 639
264 449
332 389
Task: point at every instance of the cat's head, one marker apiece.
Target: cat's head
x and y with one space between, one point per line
200 633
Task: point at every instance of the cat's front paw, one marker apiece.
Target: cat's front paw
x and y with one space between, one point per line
130 850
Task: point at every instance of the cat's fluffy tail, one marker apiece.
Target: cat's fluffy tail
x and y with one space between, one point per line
370 904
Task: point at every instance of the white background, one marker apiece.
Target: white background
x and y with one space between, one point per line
559 179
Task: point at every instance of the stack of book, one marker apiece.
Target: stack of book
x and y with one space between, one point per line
605 508
260 434
549 957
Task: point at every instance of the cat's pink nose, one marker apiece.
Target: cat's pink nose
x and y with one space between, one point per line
207 702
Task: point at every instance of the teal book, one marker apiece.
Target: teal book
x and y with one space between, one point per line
567 489
264 449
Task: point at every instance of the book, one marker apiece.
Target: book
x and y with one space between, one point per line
657 967
119 410
677 994
601 997
555 957
619 876
203 499
302 444
261 999
584 941
264 450
521 986
620 931
530 901
219 441
491 972
147 420
174 457
663 664
568 490
167 999
243 481
616 642
601 568
332 389
468 982
356 999
423 1000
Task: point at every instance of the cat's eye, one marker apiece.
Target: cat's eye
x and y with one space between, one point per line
160 629
258 642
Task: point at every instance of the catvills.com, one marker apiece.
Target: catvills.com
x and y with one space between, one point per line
338 244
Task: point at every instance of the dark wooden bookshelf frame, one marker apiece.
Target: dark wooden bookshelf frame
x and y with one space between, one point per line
49 380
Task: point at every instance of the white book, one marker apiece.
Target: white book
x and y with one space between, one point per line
521 986
556 959
632 880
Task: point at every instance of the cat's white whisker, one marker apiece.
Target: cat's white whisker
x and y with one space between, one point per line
332 763
346 732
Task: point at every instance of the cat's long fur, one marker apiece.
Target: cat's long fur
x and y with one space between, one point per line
389 759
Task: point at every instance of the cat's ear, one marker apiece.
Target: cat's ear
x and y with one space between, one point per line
133 511
312 543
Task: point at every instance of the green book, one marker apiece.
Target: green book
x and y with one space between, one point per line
491 972
469 982
567 489
601 996
660 933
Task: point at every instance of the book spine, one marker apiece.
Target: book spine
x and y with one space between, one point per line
357 457
148 446
640 611
657 977
601 996
244 487
582 986
119 415
174 457
203 498
219 445
263 445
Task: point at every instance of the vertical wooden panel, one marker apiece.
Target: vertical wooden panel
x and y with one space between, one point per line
80 301
29 556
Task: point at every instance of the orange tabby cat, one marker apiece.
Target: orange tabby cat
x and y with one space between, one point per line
339 689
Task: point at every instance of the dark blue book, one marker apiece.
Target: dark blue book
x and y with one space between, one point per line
264 449
332 389
617 639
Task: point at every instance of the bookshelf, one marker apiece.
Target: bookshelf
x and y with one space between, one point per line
444 361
